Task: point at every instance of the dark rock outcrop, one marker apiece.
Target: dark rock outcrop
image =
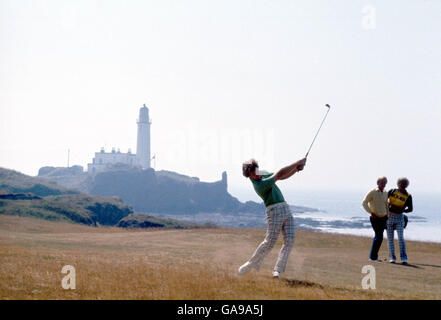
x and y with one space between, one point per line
148 221
19 196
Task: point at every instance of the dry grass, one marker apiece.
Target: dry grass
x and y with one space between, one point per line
114 263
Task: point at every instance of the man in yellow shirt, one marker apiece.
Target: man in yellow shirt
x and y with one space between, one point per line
400 201
375 203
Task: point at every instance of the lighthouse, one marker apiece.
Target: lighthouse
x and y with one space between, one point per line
143 142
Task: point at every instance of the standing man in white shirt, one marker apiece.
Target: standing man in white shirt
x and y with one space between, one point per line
376 204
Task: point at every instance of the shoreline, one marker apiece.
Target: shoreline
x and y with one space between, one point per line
316 221
323 230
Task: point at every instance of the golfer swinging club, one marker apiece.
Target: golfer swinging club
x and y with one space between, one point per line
278 214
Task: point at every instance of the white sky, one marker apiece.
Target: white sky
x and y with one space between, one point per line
226 81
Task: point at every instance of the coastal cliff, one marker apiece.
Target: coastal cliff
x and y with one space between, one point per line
156 192
168 192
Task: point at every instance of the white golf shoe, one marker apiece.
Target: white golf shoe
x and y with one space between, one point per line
245 268
276 274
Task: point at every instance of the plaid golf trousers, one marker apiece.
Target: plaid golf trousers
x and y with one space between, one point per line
279 219
396 221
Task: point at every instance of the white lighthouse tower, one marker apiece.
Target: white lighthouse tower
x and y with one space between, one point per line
143 143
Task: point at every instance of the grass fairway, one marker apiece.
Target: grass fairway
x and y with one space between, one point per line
114 263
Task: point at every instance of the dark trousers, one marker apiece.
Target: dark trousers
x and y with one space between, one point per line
378 224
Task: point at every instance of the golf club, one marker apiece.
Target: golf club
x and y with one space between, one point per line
329 108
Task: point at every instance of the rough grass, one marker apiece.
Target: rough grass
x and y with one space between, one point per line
77 208
114 263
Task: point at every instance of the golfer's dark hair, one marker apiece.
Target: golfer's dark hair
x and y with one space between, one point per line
248 167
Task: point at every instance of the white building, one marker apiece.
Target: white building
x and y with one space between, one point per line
103 160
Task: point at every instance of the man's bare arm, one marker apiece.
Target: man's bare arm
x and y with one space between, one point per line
289 170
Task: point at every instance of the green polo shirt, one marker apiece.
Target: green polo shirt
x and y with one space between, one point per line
267 189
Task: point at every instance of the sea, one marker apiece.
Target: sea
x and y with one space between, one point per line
333 212
342 212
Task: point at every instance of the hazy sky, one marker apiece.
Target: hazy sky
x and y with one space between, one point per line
226 81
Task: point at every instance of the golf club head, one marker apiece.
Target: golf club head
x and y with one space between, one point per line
327 105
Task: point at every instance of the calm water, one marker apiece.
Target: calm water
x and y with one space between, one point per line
424 221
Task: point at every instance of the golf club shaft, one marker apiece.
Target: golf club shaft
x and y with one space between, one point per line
329 108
